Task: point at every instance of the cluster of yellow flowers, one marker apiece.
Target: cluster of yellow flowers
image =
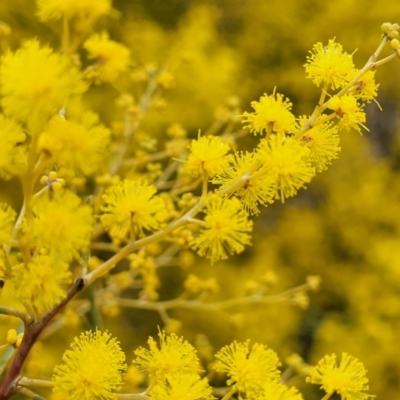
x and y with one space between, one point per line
87 188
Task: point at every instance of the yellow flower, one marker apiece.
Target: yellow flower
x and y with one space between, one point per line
38 285
287 162
55 9
36 83
111 57
366 87
7 220
208 154
225 229
348 111
255 190
174 358
76 145
323 141
348 379
273 390
60 224
132 202
182 387
92 369
11 139
271 114
329 64
248 369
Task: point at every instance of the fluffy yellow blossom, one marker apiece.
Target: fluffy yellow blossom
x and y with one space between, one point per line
273 390
132 205
329 64
271 114
92 369
182 387
55 9
38 285
79 146
7 219
225 229
255 190
248 369
60 224
111 57
348 111
11 139
366 87
35 83
348 379
323 141
208 154
174 358
287 162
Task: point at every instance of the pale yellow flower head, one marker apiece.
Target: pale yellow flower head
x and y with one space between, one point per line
248 368
132 202
208 154
226 229
39 284
60 224
287 162
329 64
349 111
173 358
271 114
112 58
76 145
92 369
35 83
348 379
55 9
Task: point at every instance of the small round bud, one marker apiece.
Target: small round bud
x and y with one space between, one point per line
56 186
43 179
395 43
395 27
11 336
53 175
393 34
314 282
385 28
61 181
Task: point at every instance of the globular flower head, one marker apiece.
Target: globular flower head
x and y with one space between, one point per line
248 369
255 189
175 357
39 284
208 155
330 65
349 111
132 202
92 369
60 224
56 9
7 219
111 57
76 145
273 390
226 229
12 138
271 114
323 141
183 387
287 162
35 83
348 379
366 87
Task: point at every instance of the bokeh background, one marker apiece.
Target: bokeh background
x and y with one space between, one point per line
344 227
